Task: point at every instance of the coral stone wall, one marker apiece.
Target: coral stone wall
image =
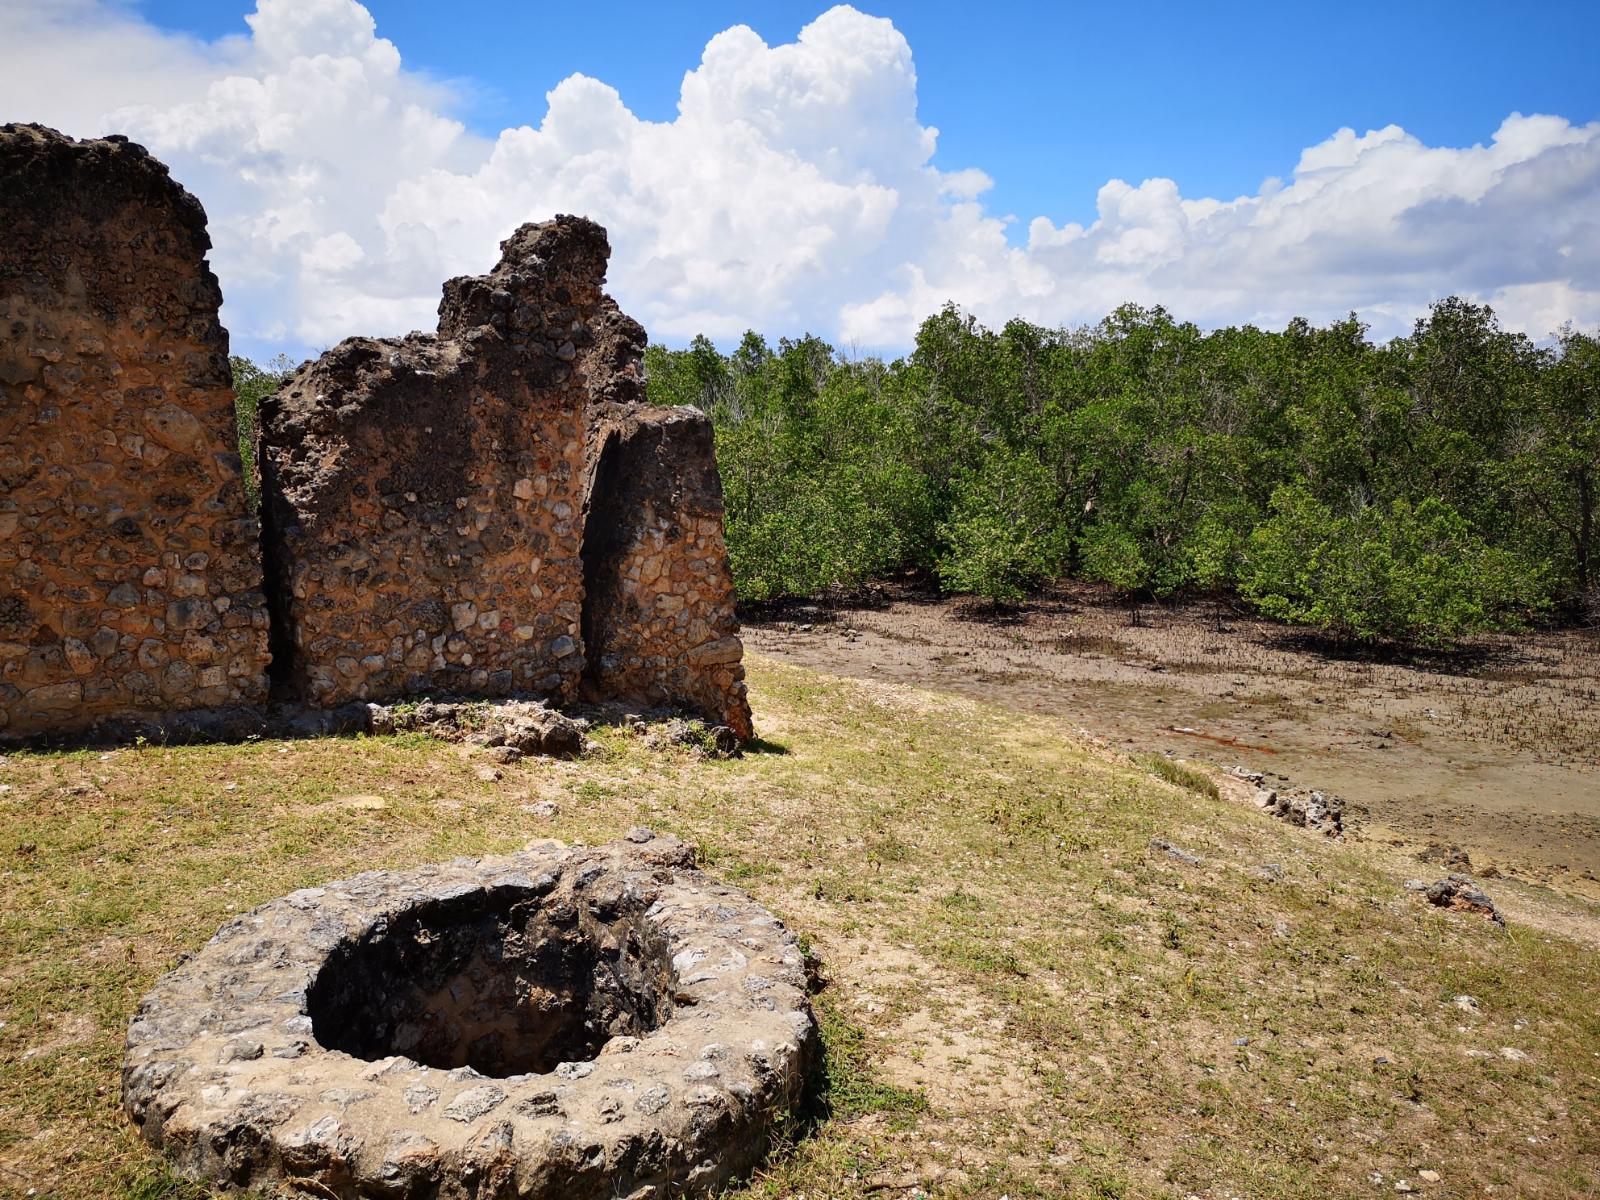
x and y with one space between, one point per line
489 510
130 578
424 494
659 622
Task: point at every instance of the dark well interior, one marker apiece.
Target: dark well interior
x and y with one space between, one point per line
505 980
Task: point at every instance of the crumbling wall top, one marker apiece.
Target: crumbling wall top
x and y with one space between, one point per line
45 175
546 283
424 493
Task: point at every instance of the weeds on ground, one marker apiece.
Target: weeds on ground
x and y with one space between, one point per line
1181 774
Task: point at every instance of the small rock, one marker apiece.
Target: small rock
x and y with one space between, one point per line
420 1097
1462 894
540 1104
1428 1176
653 1100
1311 809
474 1103
487 774
1171 850
242 1051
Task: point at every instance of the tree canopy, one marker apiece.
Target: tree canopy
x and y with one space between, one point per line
1440 484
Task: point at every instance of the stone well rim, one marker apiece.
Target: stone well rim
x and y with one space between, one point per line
224 1074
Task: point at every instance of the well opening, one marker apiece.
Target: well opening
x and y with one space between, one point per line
506 980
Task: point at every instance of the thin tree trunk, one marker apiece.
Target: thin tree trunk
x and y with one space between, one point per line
1585 532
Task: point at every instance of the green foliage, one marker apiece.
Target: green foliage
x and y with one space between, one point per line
1182 775
1003 538
818 490
251 382
1410 573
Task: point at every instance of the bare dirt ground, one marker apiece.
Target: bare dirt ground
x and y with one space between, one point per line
1494 748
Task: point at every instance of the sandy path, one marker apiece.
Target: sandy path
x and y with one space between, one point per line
1496 750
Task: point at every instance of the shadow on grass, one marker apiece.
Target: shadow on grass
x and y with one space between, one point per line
841 1084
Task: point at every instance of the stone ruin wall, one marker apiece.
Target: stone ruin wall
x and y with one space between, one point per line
441 517
659 623
428 499
425 493
130 577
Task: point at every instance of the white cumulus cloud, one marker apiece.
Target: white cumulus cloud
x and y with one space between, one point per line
795 190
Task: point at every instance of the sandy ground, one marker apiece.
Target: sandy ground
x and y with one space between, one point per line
1494 748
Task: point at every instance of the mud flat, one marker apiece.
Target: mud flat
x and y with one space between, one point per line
1493 748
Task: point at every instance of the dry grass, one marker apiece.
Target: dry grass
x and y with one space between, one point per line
1023 997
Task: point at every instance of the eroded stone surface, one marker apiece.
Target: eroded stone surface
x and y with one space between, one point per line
494 510
130 578
659 623
424 493
693 995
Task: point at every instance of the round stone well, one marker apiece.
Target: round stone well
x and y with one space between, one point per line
561 1022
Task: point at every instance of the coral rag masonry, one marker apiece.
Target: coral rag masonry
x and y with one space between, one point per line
558 1024
424 492
491 510
130 577
658 619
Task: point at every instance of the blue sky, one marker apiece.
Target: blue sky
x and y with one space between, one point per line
1235 163
1053 99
